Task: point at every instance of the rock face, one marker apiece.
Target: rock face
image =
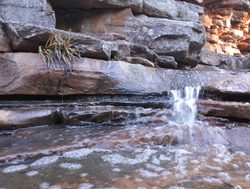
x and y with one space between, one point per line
26 74
182 40
37 12
156 8
225 109
227 26
211 58
126 48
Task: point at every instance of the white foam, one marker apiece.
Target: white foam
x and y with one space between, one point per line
164 158
71 166
116 170
44 185
15 168
216 168
78 154
84 174
45 161
86 186
247 176
119 159
55 187
224 175
32 173
212 180
176 187
147 174
154 167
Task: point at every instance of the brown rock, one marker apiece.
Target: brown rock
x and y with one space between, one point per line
225 109
27 74
138 60
36 12
16 118
157 8
30 37
182 40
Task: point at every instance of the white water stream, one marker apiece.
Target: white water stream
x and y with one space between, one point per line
184 109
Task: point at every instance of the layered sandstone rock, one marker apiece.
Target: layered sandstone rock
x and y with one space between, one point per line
27 74
227 26
37 12
182 40
157 8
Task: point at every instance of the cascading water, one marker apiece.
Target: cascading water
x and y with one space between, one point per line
185 105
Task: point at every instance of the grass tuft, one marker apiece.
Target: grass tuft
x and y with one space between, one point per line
59 52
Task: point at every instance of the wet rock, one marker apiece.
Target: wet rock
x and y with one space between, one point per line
167 62
27 74
16 118
30 37
138 60
233 110
21 11
180 39
163 9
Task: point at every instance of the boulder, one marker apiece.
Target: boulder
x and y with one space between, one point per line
37 12
167 62
233 110
182 40
27 74
157 8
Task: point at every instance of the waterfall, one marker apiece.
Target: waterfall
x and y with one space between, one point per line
184 108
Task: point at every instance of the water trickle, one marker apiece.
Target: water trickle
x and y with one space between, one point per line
185 105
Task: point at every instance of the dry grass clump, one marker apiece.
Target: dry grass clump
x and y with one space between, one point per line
59 52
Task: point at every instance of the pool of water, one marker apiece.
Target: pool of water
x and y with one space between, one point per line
132 156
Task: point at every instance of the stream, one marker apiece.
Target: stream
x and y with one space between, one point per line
155 147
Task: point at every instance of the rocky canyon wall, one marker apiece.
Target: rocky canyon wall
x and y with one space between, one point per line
127 47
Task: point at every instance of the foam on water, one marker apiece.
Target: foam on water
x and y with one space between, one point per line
147 174
119 159
70 166
86 186
185 105
78 154
15 168
32 173
45 161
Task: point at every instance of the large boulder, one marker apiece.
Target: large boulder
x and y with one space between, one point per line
182 40
38 12
27 74
158 8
